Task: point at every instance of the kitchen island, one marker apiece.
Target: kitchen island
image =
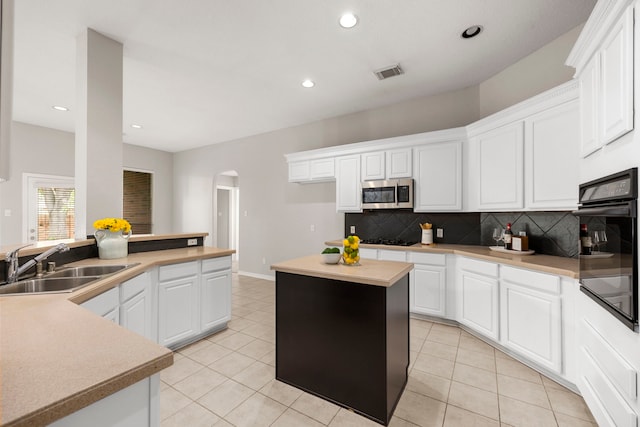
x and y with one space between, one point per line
342 332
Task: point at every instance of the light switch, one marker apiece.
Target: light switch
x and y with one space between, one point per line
7 212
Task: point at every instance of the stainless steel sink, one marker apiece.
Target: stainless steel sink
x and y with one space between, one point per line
66 279
53 284
87 270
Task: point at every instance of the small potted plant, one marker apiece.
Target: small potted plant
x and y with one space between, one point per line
112 237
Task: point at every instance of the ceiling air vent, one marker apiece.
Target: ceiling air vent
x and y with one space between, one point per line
385 73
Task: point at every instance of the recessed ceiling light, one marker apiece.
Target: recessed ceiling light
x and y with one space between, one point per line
60 108
472 31
136 126
348 20
308 83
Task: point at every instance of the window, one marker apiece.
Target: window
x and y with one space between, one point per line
50 207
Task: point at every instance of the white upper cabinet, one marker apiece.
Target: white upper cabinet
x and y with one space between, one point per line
589 107
438 177
603 58
399 163
348 193
373 167
500 156
616 80
316 170
390 164
552 143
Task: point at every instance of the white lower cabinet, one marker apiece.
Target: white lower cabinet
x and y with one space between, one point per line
136 305
194 299
428 284
531 318
178 308
215 293
106 305
479 296
134 406
608 365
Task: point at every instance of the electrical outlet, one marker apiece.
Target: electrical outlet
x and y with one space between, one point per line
192 242
312 228
439 233
352 229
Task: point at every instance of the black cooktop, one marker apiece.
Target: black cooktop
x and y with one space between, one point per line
391 242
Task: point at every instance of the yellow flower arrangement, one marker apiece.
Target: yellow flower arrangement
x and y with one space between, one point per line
351 253
112 224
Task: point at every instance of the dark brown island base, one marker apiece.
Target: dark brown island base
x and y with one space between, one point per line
342 332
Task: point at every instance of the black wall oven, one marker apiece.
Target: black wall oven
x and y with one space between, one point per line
609 274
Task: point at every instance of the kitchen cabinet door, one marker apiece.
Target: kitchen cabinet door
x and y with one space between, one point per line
616 80
322 170
552 150
178 310
215 300
136 306
348 192
478 303
398 163
539 340
500 157
438 177
589 85
427 290
299 171
134 314
373 166
106 305
428 284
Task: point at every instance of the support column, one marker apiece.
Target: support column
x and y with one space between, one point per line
98 143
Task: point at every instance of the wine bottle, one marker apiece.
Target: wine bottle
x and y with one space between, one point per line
585 240
508 235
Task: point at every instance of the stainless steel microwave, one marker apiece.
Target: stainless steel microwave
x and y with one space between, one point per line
388 194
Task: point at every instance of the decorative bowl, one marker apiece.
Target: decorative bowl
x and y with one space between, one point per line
331 258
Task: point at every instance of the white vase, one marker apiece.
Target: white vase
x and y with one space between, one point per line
112 244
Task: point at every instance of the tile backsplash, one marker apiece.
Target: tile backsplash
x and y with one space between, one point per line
551 233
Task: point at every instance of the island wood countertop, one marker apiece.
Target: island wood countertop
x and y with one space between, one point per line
56 357
569 267
369 272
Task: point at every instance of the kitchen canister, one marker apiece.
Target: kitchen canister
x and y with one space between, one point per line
427 237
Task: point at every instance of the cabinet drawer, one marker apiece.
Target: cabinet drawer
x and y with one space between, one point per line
368 253
480 267
608 401
388 255
175 271
424 258
215 264
616 368
531 279
133 286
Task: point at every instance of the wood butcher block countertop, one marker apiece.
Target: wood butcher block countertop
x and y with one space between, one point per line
57 357
561 266
369 272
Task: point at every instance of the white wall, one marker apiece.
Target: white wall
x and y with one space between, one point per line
34 149
41 150
533 74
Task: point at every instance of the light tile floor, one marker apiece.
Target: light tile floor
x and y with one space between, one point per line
455 379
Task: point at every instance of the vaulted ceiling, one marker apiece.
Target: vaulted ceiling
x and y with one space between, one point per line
200 72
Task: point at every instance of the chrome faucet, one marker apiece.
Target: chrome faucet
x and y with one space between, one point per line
13 271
